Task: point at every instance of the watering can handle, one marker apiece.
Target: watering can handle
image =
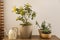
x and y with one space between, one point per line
15 28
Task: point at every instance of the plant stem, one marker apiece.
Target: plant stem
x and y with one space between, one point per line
25 19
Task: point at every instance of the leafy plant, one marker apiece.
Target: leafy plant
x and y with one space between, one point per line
46 31
37 24
25 13
46 28
43 25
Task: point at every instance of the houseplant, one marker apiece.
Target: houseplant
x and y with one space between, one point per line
45 31
25 15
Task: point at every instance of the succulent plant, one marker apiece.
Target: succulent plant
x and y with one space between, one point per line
46 28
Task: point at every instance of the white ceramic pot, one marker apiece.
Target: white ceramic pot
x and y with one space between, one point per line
12 33
26 31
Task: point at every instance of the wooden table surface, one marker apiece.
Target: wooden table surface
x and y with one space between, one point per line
36 37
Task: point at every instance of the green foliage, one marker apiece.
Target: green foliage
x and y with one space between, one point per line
33 15
46 28
25 13
21 19
37 24
43 25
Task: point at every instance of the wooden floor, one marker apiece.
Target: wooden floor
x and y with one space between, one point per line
36 37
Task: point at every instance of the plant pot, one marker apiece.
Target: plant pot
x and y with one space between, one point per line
25 31
42 35
46 35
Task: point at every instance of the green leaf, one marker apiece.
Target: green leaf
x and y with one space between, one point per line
27 5
43 25
28 9
33 15
22 13
29 15
21 9
17 9
17 12
37 24
21 19
46 30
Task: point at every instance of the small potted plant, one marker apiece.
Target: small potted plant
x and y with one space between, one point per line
45 31
25 14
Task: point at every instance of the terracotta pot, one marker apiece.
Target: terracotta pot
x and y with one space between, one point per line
25 31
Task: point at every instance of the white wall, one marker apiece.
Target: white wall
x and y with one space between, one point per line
48 10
